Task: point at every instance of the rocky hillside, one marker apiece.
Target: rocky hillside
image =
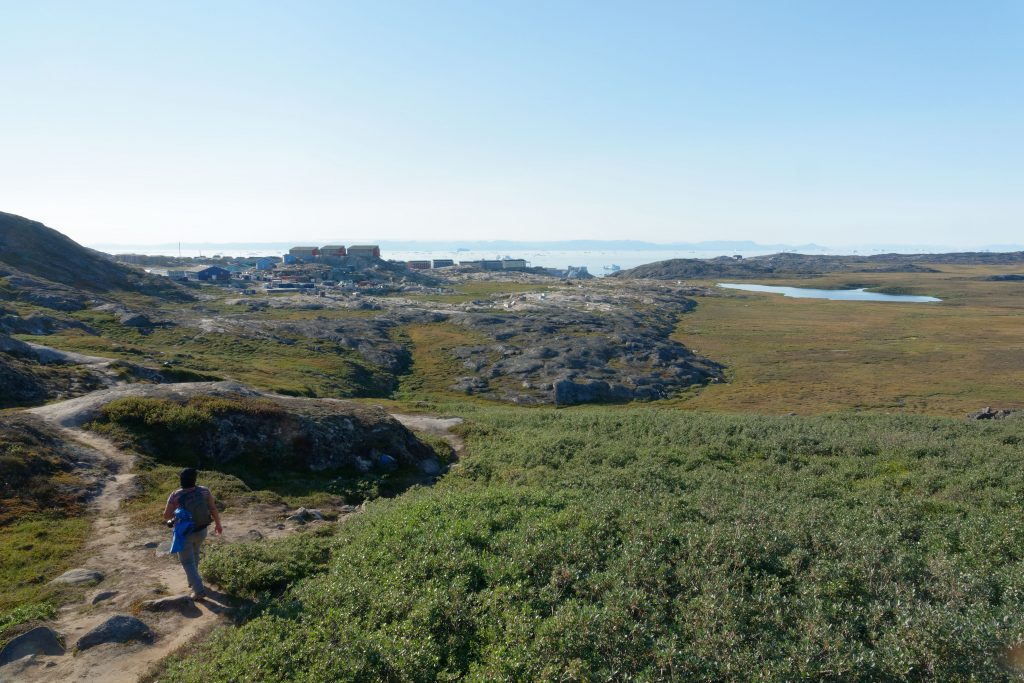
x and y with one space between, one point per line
42 266
789 265
28 377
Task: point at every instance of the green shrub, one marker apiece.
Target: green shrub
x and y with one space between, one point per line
249 569
600 544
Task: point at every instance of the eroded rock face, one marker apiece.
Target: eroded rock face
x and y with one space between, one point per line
320 435
315 434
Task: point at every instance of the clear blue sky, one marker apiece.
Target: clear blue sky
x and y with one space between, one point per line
837 122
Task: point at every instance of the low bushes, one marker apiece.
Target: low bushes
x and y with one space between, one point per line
600 544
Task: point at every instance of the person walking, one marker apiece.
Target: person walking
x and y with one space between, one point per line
201 509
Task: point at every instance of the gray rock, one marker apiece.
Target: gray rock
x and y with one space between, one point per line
102 596
254 535
129 319
79 577
173 603
41 640
302 515
120 628
987 413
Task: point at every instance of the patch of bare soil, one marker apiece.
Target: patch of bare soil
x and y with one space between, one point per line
438 426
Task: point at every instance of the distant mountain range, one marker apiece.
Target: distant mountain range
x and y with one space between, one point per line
497 246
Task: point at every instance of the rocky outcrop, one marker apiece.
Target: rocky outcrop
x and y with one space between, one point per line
120 628
41 640
239 423
602 346
988 413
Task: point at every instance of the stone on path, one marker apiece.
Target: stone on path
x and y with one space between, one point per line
101 596
117 629
180 603
302 515
79 577
41 640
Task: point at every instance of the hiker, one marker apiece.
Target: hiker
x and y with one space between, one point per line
191 505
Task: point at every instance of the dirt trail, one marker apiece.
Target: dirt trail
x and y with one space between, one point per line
439 426
135 569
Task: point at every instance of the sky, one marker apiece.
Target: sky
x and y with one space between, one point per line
783 121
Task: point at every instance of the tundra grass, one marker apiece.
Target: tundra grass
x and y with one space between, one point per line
33 551
472 290
654 544
434 368
293 366
812 356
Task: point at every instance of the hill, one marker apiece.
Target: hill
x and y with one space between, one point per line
34 256
790 264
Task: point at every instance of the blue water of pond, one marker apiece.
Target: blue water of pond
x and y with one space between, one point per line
832 294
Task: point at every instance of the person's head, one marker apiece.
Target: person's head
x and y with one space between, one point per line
187 477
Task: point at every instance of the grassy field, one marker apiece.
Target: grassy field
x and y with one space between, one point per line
434 369
42 520
295 366
649 544
814 356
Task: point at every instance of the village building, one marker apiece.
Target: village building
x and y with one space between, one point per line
200 274
443 263
332 251
305 253
513 264
418 265
266 263
488 264
289 259
364 250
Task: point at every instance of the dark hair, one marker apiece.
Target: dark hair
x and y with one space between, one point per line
187 477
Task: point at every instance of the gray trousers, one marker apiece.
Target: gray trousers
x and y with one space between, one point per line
189 558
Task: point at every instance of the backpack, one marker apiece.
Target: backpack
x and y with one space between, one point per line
195 502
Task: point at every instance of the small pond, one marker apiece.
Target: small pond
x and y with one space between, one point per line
832 294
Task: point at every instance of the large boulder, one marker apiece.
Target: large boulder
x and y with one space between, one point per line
41 640
120 628
79 577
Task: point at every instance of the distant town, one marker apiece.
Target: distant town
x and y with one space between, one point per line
357 266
